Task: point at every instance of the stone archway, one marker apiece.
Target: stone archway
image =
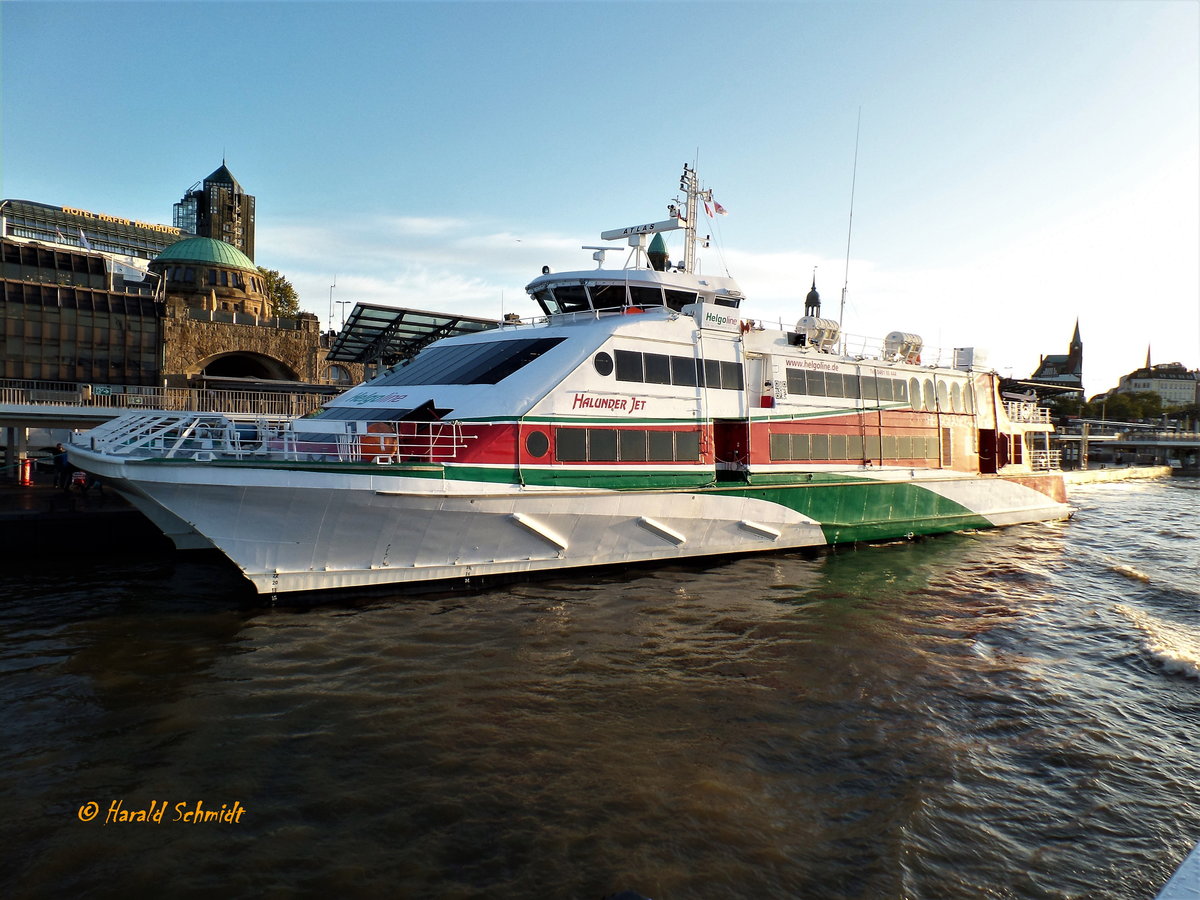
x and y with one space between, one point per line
244 364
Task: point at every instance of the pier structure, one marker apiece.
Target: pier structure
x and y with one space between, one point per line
29 405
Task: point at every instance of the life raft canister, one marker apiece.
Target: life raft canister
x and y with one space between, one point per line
380 442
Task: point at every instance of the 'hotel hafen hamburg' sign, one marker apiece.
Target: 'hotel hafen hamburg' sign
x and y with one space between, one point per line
100 217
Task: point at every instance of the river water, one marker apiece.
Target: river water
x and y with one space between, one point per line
1005 714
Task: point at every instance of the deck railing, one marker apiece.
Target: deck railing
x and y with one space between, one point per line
1027 413
1045 460
209 437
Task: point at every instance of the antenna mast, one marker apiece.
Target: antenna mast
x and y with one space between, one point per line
689 183
850 226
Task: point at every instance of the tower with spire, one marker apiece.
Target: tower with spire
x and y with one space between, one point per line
217 207
1062 370
812 303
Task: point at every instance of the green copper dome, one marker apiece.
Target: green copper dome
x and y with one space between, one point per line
207 250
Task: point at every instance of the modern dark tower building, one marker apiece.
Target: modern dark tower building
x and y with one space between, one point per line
218 208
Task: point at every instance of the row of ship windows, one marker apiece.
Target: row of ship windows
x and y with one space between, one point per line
636 445
686 371
859 447
624 445
919 393
660 368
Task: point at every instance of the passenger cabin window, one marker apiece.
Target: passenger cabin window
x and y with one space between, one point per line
813 383
660 368
625 445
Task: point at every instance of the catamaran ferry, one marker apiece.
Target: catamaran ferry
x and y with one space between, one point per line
642 417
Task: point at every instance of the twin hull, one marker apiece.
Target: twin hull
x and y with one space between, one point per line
296 530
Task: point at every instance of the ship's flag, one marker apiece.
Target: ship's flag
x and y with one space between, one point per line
720 209
707 209
83 241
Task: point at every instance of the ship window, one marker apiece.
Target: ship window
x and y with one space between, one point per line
571 444
633 445
927 394
603 363
687 446
645 296
536 443
870 388
731 376
677 300
479 363
658 368
834 385
854 446
947 448
850 385
837 446
629 365
956 397
602 444
872 448
571 298
943 394
683 370
545 300
889 446
914 392
662 446
781 446
820 446
607 296
969 398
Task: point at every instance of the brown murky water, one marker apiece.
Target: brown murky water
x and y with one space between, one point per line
1007 714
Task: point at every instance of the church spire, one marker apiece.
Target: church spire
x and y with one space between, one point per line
812 303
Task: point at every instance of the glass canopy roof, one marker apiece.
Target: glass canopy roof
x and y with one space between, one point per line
385 335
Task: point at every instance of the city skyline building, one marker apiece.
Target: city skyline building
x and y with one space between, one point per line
219 208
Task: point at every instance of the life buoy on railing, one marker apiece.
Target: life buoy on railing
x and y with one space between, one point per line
380 442
631 310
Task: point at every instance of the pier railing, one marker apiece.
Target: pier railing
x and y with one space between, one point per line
121 397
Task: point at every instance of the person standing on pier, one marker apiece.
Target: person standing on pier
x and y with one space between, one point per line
62 468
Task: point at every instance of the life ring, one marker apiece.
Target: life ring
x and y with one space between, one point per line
631 310
380 442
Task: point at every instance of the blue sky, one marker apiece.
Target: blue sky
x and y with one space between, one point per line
1021 164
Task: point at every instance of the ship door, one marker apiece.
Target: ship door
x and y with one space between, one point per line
987 451
731 448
